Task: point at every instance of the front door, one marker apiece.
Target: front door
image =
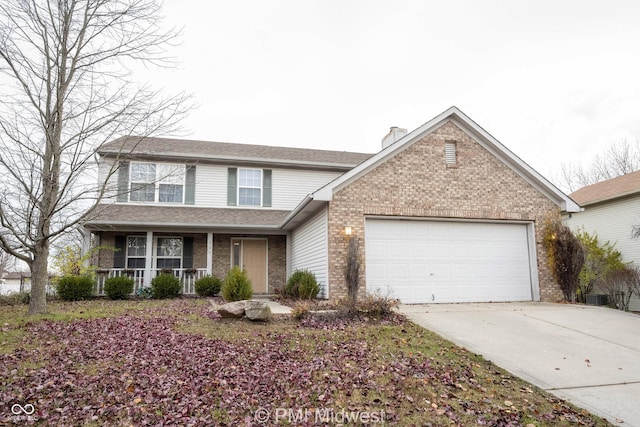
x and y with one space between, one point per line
251 256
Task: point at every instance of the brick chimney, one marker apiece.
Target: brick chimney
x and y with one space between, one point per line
395 133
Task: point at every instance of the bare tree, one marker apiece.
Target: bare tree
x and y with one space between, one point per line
66 89
619 159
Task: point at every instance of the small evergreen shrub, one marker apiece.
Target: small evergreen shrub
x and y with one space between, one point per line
208 286
237 286
302 284
118 287
165 286
74 288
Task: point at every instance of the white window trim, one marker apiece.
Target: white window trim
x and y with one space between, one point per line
261 188
154 262
127 255
157 181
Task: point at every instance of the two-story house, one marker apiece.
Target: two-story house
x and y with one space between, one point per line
444 213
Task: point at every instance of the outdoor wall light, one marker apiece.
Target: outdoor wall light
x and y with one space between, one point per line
348 230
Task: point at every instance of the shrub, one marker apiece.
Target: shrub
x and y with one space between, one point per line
599 260
208 286
118 287
15 298
352 268
300 310
165 286
237 286
74 288
378 306
302 284
565 255
620 285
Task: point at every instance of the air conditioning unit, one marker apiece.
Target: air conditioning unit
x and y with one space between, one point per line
593 299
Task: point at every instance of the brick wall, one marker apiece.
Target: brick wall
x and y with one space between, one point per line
417 183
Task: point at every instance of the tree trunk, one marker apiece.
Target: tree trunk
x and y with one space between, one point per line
39 279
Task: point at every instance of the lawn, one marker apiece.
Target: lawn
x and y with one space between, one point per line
174 362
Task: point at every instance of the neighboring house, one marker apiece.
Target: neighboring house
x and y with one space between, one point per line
611 210
15 281
444 213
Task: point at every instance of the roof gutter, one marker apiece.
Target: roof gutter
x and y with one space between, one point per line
303 204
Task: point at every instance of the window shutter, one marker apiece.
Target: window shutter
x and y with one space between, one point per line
123 182
120 255
187 252
266 188
232 187
450 156
190 186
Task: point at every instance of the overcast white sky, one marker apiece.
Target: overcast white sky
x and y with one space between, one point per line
554 81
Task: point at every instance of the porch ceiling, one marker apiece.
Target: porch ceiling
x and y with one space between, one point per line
116 216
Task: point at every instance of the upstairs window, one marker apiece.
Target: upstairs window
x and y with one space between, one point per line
152 182
143 178
250 187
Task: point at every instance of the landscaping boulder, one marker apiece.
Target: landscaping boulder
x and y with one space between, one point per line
232 310
257 310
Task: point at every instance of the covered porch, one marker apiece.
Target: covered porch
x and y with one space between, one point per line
164 243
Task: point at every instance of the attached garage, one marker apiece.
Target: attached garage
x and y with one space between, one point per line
441 261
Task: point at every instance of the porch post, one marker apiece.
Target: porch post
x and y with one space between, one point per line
148 259
86 246
210 253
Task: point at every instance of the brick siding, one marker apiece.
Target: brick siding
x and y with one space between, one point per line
416 182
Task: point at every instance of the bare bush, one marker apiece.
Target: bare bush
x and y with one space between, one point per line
620 285
565 255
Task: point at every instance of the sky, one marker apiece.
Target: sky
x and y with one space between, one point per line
554 81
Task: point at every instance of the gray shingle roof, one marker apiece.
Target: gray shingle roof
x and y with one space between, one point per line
224 151
613 188
113 215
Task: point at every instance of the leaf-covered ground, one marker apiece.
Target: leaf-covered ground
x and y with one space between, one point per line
175 363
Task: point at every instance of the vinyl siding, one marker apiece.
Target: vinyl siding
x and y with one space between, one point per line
289 186
613 221
309 249
104 168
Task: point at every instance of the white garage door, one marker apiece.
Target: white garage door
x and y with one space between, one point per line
447 261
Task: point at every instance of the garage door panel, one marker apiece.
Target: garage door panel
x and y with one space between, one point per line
440 261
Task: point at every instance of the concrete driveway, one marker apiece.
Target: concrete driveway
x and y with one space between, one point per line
587 355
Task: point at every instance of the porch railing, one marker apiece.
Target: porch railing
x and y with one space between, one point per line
187 276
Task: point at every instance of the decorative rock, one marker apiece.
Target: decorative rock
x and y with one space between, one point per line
257 310
232 310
